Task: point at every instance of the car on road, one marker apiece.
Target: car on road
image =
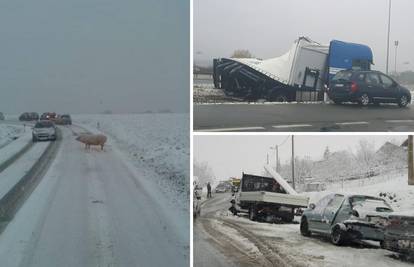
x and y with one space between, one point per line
48 116
64 119
346 218
365 87
29 116
399 233
223 187
1 116
44 130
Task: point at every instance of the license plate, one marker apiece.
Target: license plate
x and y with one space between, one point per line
339 85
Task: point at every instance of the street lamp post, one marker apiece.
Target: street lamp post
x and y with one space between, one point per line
396 46
388 35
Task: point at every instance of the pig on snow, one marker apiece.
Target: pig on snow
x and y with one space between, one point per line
92 140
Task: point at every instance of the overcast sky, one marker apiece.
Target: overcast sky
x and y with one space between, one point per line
268 27
86 56
229 156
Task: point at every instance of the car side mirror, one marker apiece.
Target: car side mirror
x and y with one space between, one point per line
312 206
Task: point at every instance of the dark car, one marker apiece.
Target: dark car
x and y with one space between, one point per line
346 218
66 119
29 116
2 116
366 87
399 233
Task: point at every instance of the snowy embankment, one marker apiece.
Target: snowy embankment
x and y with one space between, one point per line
394 189
159 142
8 133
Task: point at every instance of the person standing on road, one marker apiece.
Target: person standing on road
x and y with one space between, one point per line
208 190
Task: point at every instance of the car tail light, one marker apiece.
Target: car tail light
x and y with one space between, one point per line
394 222
354 87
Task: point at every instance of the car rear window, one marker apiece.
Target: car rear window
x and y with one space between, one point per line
342 76
370 204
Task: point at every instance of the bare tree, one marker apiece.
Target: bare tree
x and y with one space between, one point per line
203 171
365 153
241 53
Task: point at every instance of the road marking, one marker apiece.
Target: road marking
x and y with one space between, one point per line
352 123
398 121
291 126
231 129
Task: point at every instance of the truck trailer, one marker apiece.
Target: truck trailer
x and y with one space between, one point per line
301 74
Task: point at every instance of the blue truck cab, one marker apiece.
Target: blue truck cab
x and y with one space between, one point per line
345 56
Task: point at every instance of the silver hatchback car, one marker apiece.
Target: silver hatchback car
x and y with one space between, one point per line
346 218
44 130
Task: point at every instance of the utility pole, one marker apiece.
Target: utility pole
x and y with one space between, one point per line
410 161
388 35
277 158
293 162
396 46
276 148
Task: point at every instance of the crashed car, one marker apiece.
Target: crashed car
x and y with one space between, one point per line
346 218
399 233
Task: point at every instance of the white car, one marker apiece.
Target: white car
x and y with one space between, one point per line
44 130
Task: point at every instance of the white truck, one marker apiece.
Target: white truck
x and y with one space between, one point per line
268 198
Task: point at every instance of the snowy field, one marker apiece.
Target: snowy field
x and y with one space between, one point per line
159 142
9 133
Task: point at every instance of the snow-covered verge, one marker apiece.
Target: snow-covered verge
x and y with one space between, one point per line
156 141
395 190
9 133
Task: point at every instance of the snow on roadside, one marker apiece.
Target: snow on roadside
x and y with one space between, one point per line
395 190
9 133
156 141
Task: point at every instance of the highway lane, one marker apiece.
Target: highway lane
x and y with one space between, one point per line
303 117
91 209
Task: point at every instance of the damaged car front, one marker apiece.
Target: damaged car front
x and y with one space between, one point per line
399 233
346 218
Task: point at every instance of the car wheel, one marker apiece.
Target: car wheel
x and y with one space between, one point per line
338 102
364 99
34 139
338 236
304 227
281 98
252 213
403 101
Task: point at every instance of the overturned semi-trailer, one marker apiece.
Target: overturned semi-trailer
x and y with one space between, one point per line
299 75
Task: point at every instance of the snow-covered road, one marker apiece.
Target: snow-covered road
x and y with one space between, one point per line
92 209
242 242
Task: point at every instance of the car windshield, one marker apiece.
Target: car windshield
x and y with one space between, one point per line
44 124
370 204
342 76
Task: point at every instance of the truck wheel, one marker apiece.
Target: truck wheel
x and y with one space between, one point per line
304 228
252 213
288 218
338 236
